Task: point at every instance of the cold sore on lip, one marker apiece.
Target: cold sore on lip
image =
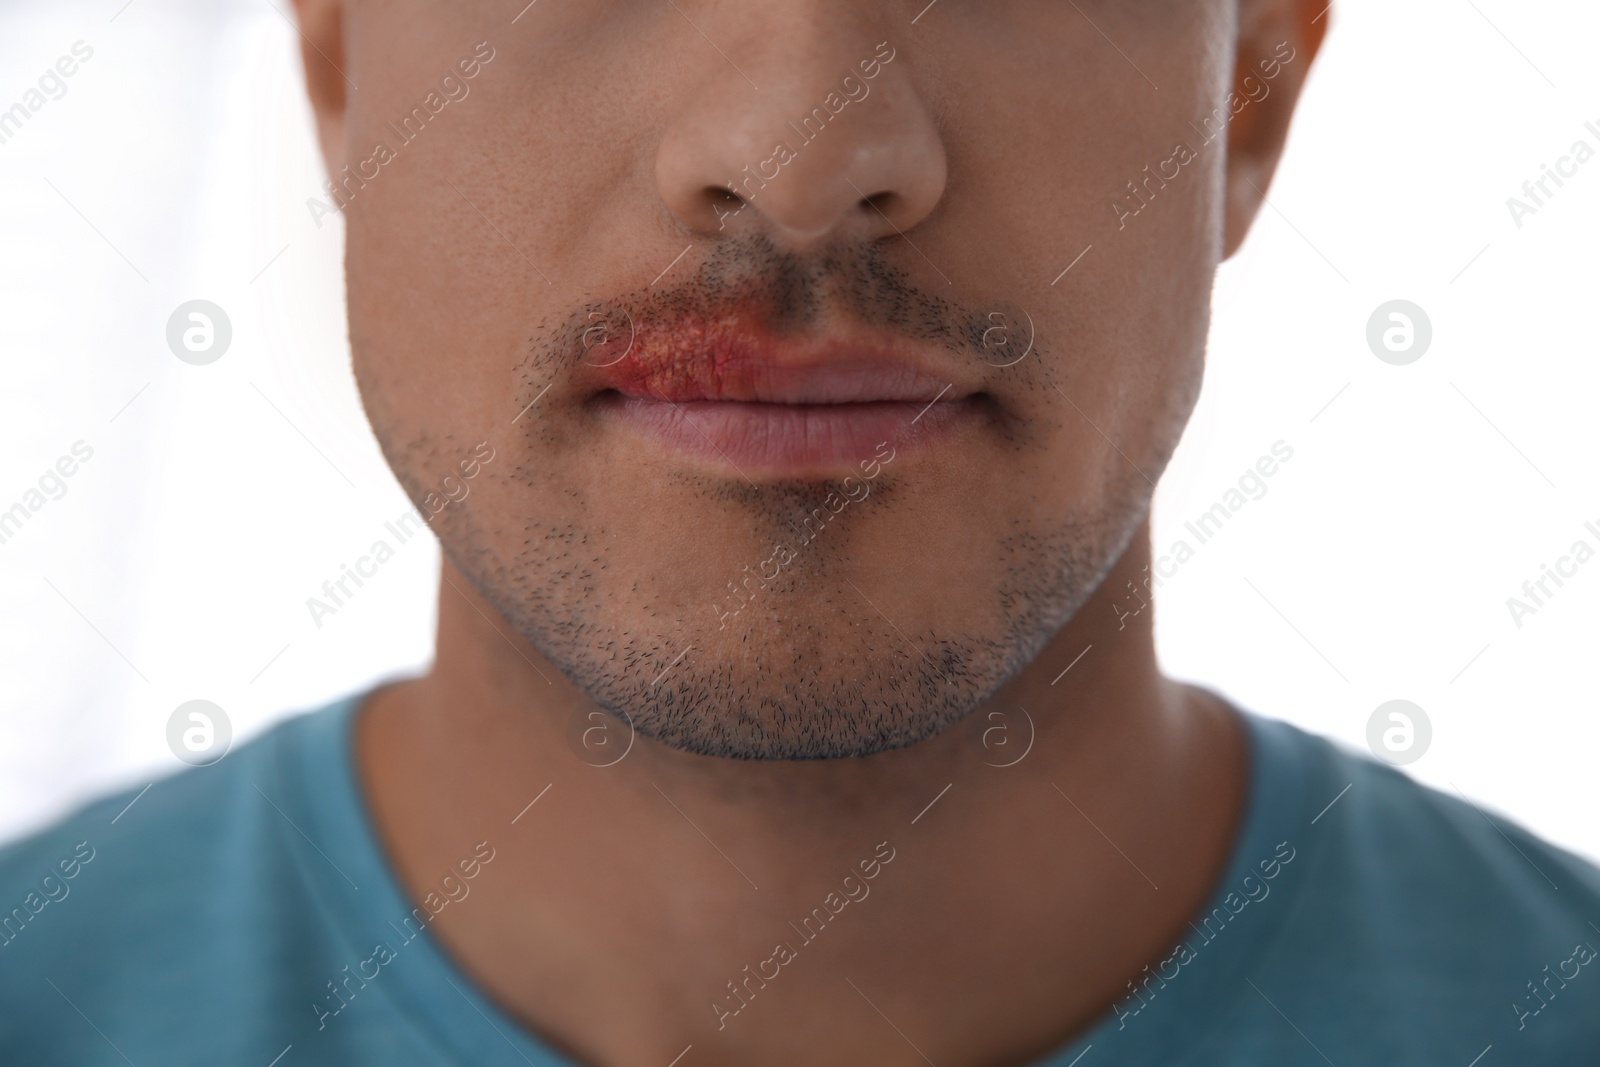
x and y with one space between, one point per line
729 393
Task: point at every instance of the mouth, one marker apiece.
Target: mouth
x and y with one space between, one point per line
786 440
729 395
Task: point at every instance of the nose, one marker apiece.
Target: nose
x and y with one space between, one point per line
818 134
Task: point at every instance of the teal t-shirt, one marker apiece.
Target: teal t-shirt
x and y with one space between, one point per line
244 913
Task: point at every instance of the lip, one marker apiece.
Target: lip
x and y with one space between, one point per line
730 394
787 439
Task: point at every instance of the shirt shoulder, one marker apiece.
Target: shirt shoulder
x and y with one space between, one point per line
156 843
1430 858
180 922
1363 917
1425 926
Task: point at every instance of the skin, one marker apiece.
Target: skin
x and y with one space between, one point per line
849 692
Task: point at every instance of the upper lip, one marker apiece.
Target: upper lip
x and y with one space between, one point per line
733 360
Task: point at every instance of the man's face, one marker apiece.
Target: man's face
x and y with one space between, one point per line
802 442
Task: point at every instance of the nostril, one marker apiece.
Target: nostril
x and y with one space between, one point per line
879 203
724 203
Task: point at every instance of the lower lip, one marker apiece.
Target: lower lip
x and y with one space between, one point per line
787 439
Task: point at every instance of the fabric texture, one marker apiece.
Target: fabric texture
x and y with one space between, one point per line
245 911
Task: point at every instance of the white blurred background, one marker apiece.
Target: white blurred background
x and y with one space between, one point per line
176 164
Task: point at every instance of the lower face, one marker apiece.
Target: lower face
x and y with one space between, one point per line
771 501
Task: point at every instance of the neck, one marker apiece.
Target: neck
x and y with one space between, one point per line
1006 877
